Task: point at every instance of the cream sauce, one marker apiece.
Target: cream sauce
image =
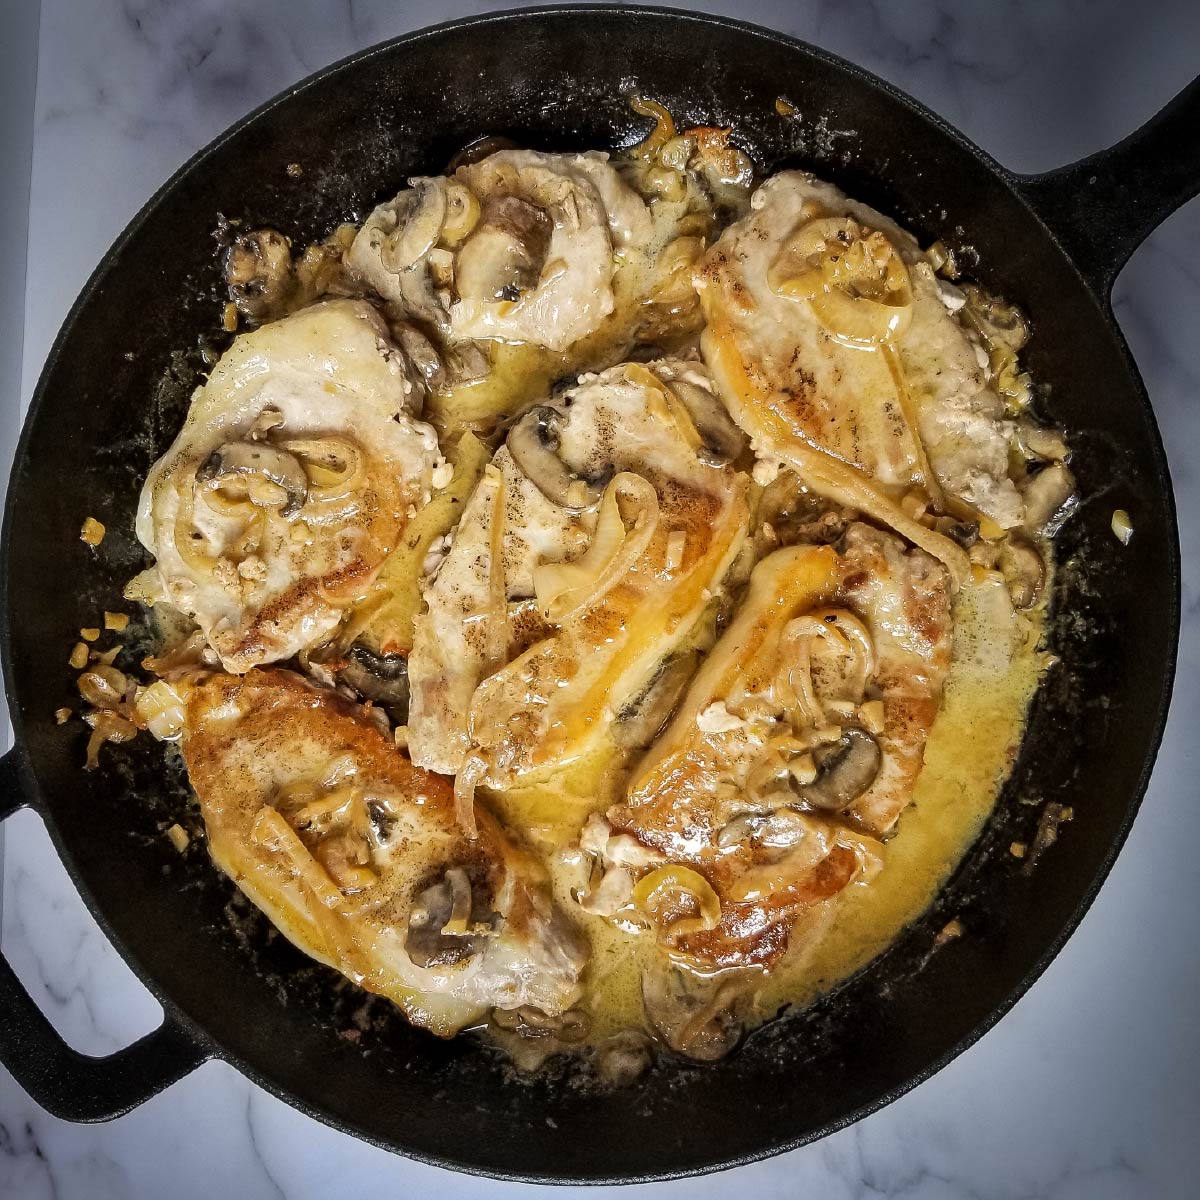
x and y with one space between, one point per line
986 697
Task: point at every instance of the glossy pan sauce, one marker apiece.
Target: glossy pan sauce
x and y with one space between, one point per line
997 659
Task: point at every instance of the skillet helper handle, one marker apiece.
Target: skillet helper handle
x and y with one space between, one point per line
70 1085
1101 208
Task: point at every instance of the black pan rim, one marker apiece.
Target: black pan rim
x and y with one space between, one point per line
110 260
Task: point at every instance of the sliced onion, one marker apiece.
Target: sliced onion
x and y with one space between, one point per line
190 543
103 687
234 507
653 888
499 630
107 726
462 212
660 135
846 633
324 808
565 589
793 683
474 769
334 465
908 408
855 281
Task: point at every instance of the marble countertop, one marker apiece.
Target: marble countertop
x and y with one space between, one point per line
1088 1089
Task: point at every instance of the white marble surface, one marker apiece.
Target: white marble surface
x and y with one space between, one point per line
1088 1089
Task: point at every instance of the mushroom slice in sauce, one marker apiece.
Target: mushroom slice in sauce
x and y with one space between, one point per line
380 678
390 253
503 257
700 1017
533 444
846 768
266 462
539 265
447 922
258 272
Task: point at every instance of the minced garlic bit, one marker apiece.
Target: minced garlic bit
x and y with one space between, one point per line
871 715
914 503
785 108
803 769
230 319
89 633
92 532
1122 526
115 620
676 541
766 471
178 836
62 715
1017 849
294 170
400 733
79 656
443 473
716 718
951 930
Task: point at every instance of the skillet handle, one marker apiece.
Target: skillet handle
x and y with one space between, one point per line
1101 208
70 1085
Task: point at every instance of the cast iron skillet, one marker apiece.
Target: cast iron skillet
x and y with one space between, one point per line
113 393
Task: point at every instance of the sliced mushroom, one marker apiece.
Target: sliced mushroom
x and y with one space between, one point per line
270 418
466 362
846 768
696 1016
258 272
423 358
1046 493
503 257
624 1058
721 441
447 922
258 460
641 721
418 215
779 828
965 533
380 678
529 1022
1024 571
533 443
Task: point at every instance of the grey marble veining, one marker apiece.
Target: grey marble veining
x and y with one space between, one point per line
1088 1089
